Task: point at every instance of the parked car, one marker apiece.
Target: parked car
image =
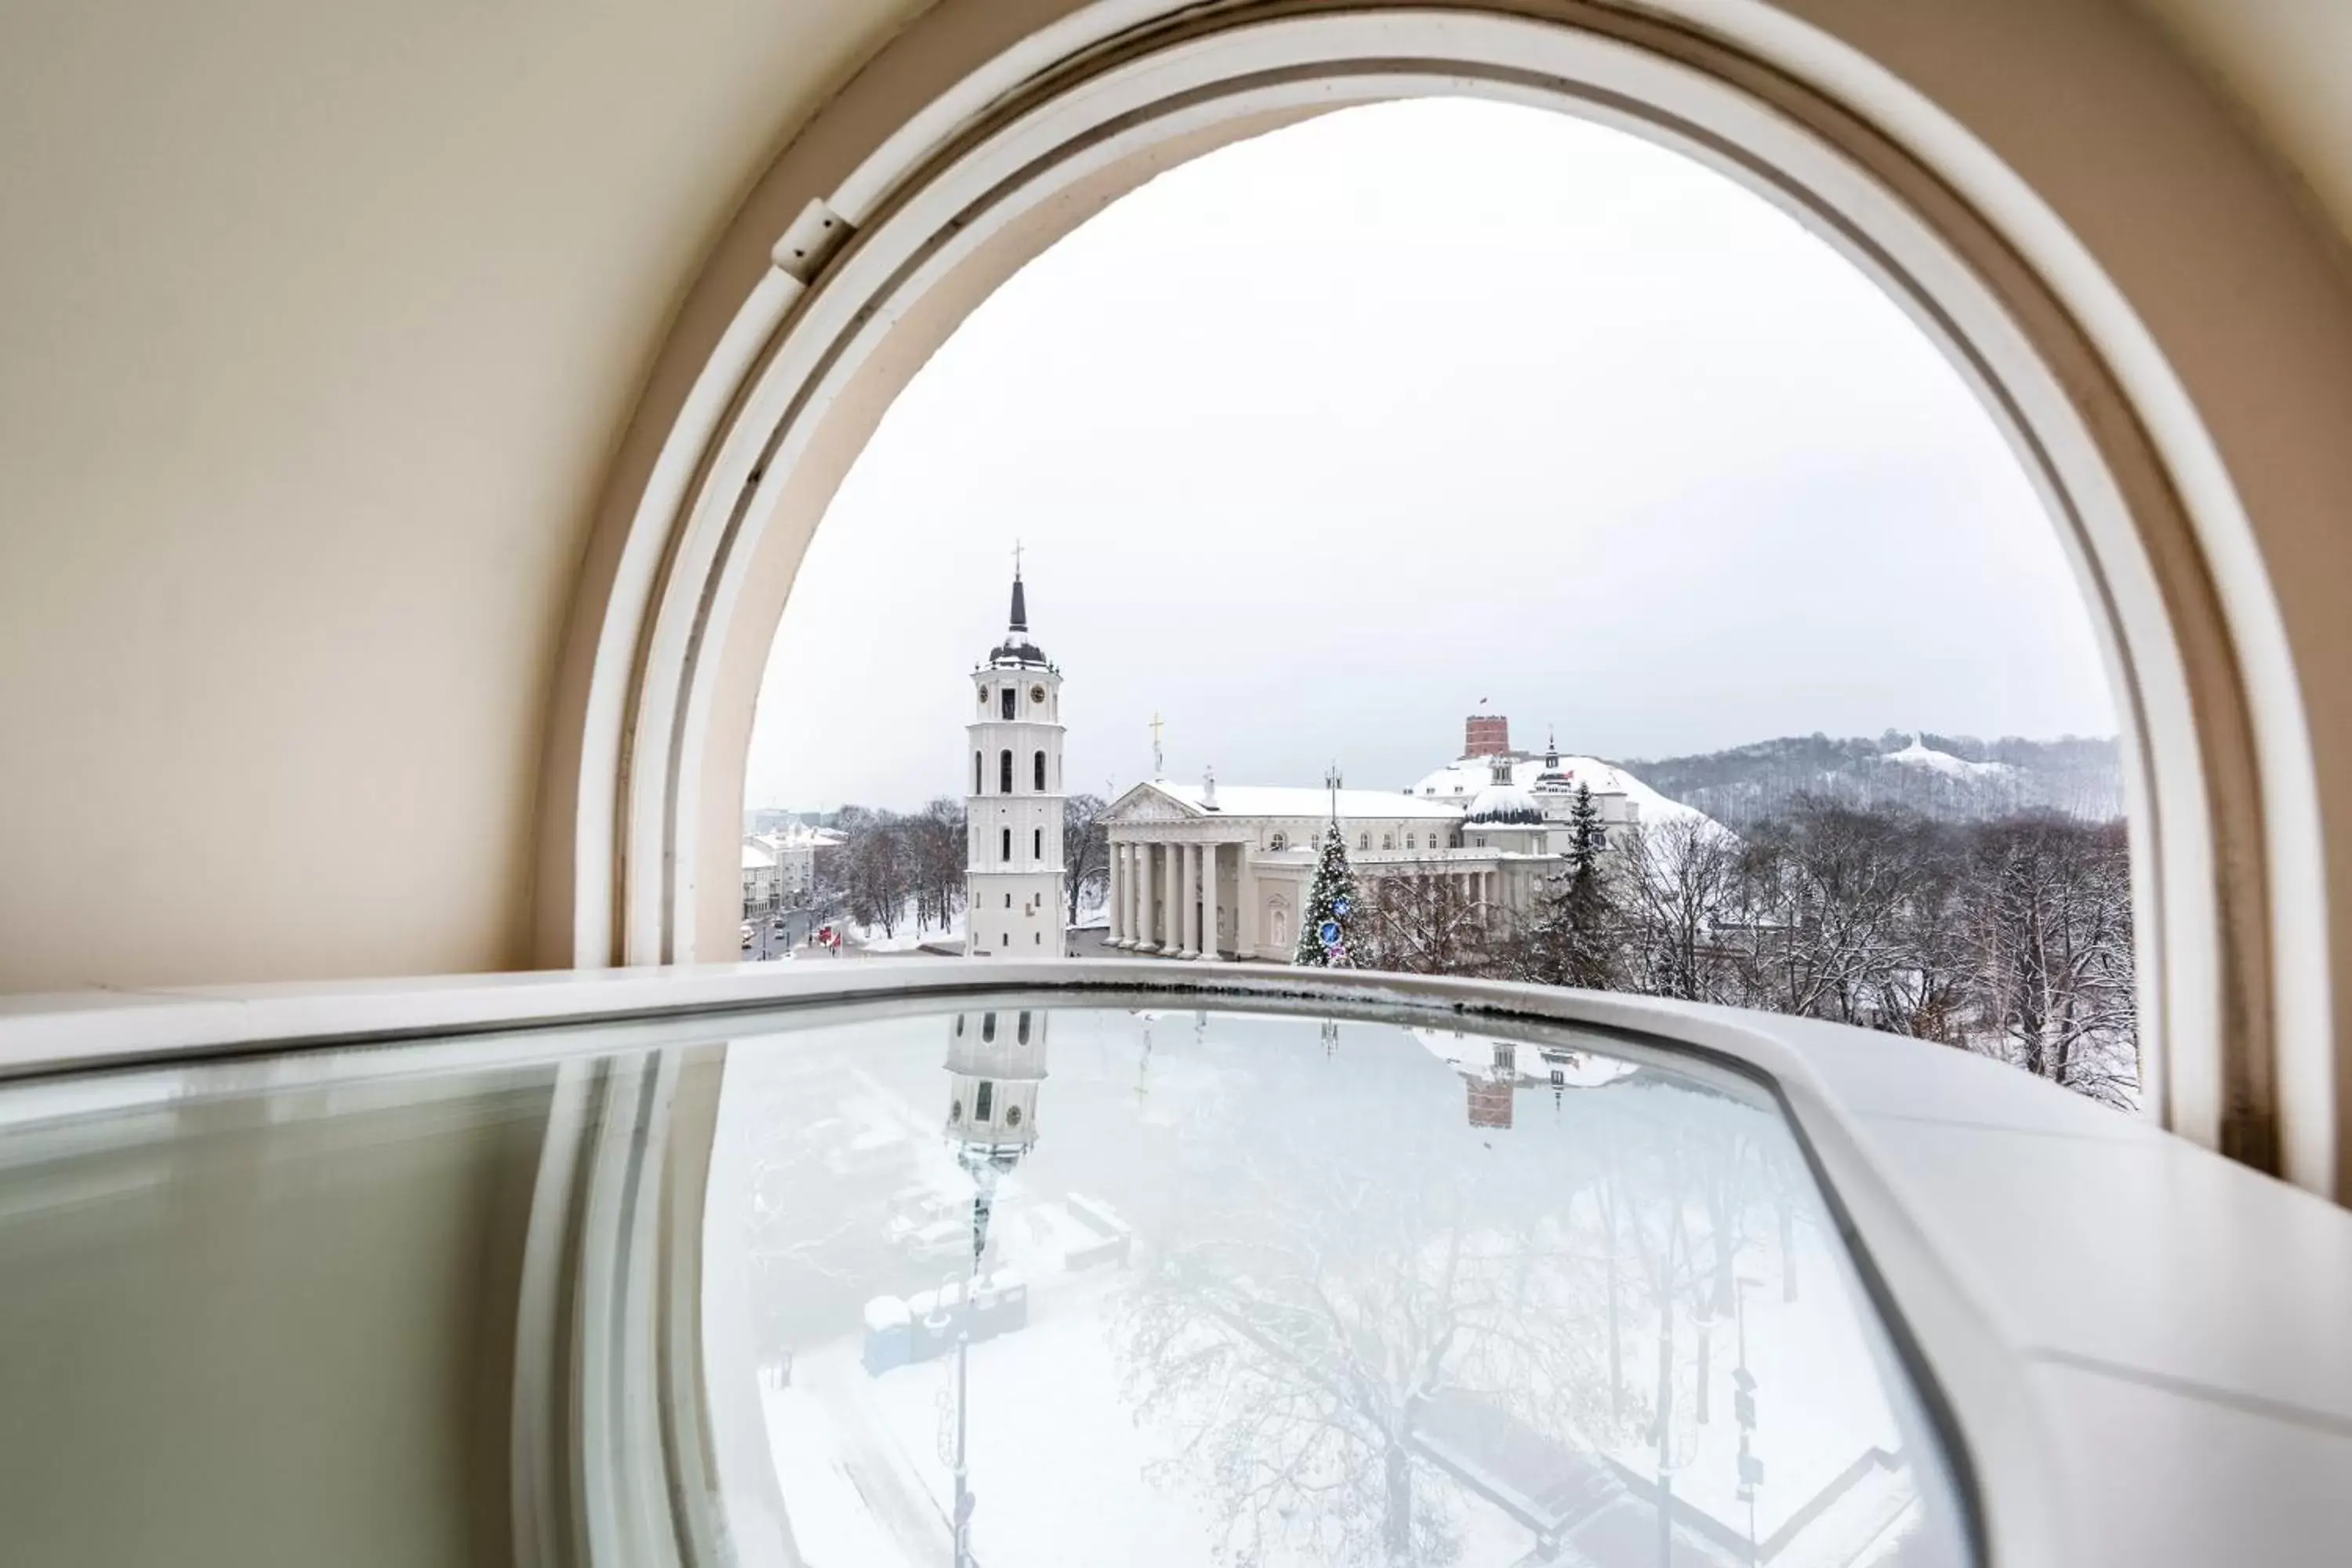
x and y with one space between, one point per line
748 933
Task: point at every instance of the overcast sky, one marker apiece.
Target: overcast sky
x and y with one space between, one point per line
1318 440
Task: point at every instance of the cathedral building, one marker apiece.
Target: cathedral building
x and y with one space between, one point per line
1013 871
1210 871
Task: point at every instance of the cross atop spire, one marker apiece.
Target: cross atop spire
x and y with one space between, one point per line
1158 770
1020 622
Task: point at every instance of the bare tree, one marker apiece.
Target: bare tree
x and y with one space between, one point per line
2052 939
876 868
937 853
1678 880
1085 847
1426 924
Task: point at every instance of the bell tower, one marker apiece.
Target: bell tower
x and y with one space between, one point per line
1013 873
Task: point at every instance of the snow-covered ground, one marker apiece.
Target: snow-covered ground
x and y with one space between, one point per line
906 935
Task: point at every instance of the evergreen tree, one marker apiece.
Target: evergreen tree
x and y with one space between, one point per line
1331 900
1571 939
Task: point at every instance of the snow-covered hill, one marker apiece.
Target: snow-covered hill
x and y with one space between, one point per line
1952 777
1919 754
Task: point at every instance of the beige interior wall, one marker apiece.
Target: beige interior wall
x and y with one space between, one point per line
318 325
298 1336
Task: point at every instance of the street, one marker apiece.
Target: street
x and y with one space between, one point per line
767 944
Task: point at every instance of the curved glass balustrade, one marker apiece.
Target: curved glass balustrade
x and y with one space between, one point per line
1017 1286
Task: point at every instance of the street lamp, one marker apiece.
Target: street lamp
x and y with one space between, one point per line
1743 1404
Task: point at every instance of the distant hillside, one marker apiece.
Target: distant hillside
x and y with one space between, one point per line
1952 777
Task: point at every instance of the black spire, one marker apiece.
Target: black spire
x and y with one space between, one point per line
1016 649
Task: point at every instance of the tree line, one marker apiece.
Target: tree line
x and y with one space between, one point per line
897 868
2011 938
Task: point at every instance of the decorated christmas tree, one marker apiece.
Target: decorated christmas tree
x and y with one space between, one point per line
1326 926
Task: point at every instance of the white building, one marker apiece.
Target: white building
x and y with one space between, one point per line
1200 871
793 848
759 878
1013 873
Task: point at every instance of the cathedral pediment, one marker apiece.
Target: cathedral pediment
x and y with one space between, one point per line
1145 803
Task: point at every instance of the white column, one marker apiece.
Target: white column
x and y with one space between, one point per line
1111 896
1172 906
1143 938
1209 903
1127 896
1188 899
1246 914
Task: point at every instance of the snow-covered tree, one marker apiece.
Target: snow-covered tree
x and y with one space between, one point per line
1331 900
1085 847
1424 925
1572 938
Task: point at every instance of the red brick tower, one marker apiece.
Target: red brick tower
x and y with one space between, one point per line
1486 735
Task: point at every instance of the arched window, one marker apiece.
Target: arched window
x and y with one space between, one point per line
1408 841
1038 844
1363 841
975 773
1004 772
983 1102
1388 840
1008 844
1009 698
1022 1032
988 1025
1040 785
1281 924
1279 841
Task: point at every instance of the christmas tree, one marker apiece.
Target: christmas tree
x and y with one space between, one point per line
1328 925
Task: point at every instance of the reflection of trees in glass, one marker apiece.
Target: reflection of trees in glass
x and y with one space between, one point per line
1352 1266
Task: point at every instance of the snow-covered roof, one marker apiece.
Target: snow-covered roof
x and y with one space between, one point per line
1502 803
757 859
1916 755
1461 780
1276 800
798 835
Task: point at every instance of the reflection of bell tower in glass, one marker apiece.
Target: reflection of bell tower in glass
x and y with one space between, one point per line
995 1062
1013 873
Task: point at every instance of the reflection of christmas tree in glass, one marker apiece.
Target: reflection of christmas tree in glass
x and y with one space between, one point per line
1327 925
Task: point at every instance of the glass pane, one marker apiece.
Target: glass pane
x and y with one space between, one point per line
1183 1288
1277 1290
